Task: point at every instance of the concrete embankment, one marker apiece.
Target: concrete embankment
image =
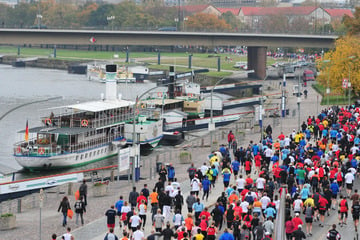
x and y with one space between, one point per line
51 63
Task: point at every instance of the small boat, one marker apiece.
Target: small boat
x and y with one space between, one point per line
124 74
172 138
149 132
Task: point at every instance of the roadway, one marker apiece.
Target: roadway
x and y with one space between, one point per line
161 38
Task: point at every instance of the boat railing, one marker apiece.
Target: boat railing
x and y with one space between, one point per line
87 121
104 121
22 148
93 143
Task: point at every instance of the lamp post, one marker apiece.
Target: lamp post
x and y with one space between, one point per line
184 26
39 17
211 123
349 83
111 19
327 82
134 129
176 22
298 104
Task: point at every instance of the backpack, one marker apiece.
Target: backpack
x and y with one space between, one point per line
259 233
249 199
332 234
78 207
308 212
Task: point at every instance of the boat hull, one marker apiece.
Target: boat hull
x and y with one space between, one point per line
66 160
171 139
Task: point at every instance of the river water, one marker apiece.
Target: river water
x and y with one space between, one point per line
23 85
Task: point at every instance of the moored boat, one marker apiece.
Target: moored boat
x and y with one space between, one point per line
78 134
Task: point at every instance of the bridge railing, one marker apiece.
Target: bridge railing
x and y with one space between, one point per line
279 228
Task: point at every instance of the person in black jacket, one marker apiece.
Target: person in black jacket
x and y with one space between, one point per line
64 207
167 233
133 197
217 215
83 191
179 201
79 207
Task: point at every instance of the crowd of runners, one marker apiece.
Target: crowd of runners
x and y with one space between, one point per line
318 164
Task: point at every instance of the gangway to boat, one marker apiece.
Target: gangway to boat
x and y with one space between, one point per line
21 62
229 87
29 59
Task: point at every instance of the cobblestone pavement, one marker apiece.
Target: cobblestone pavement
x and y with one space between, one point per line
28 222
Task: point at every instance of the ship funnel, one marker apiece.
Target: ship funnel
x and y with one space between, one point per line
111 88
171 86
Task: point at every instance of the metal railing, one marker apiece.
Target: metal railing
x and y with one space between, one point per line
279 233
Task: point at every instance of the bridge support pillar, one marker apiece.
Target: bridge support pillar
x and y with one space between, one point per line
257 61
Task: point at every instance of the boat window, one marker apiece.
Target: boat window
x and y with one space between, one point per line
77 157
81 156
90 154
105 150
111 148
98 152
43 139
86 155
102 150
94 153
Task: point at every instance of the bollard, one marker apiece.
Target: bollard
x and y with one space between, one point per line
19 205
70 188
33 201
151 167
202 142
112 175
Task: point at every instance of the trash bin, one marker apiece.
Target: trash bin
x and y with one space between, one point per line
158 166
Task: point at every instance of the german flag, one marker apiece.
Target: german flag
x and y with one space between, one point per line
27 131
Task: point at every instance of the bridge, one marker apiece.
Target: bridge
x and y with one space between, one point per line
256 42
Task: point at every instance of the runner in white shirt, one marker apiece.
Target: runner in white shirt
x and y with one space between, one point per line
195 185
354 149
135 221
138 235
298 204
240 183
204 169
308 161
244 205
169 188
287 141
349 179
260 183
68 235
265 200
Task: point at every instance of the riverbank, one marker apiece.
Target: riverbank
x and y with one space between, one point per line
28 222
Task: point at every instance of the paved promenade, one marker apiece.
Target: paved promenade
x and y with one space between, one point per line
28 222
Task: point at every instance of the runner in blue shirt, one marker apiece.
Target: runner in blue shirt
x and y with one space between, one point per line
206 187
235 165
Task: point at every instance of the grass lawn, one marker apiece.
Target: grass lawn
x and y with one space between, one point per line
332 98
180 60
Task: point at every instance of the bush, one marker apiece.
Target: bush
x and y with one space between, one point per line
99 184
6 215
185 157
